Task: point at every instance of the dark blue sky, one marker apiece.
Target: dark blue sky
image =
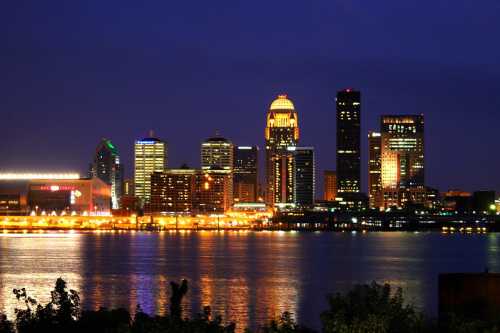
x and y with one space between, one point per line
72 72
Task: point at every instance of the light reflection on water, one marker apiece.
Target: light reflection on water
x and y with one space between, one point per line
246 277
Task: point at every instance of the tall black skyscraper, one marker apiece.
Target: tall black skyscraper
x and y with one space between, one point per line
348 141
245 177
304 175
107 167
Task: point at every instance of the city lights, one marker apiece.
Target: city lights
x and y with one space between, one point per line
43 176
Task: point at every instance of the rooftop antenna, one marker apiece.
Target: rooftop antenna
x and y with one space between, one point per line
151 133
217 133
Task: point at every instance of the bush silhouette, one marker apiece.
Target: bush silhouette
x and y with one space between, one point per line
370 308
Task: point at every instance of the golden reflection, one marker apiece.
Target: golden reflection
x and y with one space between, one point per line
34 262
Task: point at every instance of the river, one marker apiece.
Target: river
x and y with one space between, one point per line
247 277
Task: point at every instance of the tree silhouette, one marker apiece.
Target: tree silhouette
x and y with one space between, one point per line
178 293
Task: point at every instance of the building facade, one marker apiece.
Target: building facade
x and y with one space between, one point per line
213 191
245 174
172 191
375 194
107 167
330 185
51 194
217 152
150 156
304 176
402 156
348 104
189 191
282 132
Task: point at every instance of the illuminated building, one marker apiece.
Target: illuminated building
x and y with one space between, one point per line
390 177
150 156
457 201
245 174
172 191
107 167
402 151
213 191
375 170
484 202
23 194
128 187
128 201
348 104
217 152
304 176
330 185
282 132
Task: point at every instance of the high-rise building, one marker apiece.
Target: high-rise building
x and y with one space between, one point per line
150 156
213 191
282 132
402 156
348 141
173 191
245 175
375 170
217 152
330 185
304 176
107 167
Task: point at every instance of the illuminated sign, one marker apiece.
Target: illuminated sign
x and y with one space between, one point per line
54 188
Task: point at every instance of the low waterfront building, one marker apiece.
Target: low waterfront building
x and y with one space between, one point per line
38 194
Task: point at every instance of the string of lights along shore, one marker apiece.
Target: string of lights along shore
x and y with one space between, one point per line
228 181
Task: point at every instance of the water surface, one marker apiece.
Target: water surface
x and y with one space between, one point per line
247 277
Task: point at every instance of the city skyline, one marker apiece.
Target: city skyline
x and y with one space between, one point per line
129 169
79 77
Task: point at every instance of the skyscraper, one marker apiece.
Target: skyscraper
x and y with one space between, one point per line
304 176
402 151
150 156
245 175
282 132
217 152
348 141
107 167
173 191
330 185
213 191
374 170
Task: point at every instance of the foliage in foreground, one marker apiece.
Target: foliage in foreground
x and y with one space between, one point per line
370 308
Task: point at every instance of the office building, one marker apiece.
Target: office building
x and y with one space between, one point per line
245 174
375 194
172 191
330 185
107 167
304 176
217 152
282 132
402 156
150 156
348 104
213 191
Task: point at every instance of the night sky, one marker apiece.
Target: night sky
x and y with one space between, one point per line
72 72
